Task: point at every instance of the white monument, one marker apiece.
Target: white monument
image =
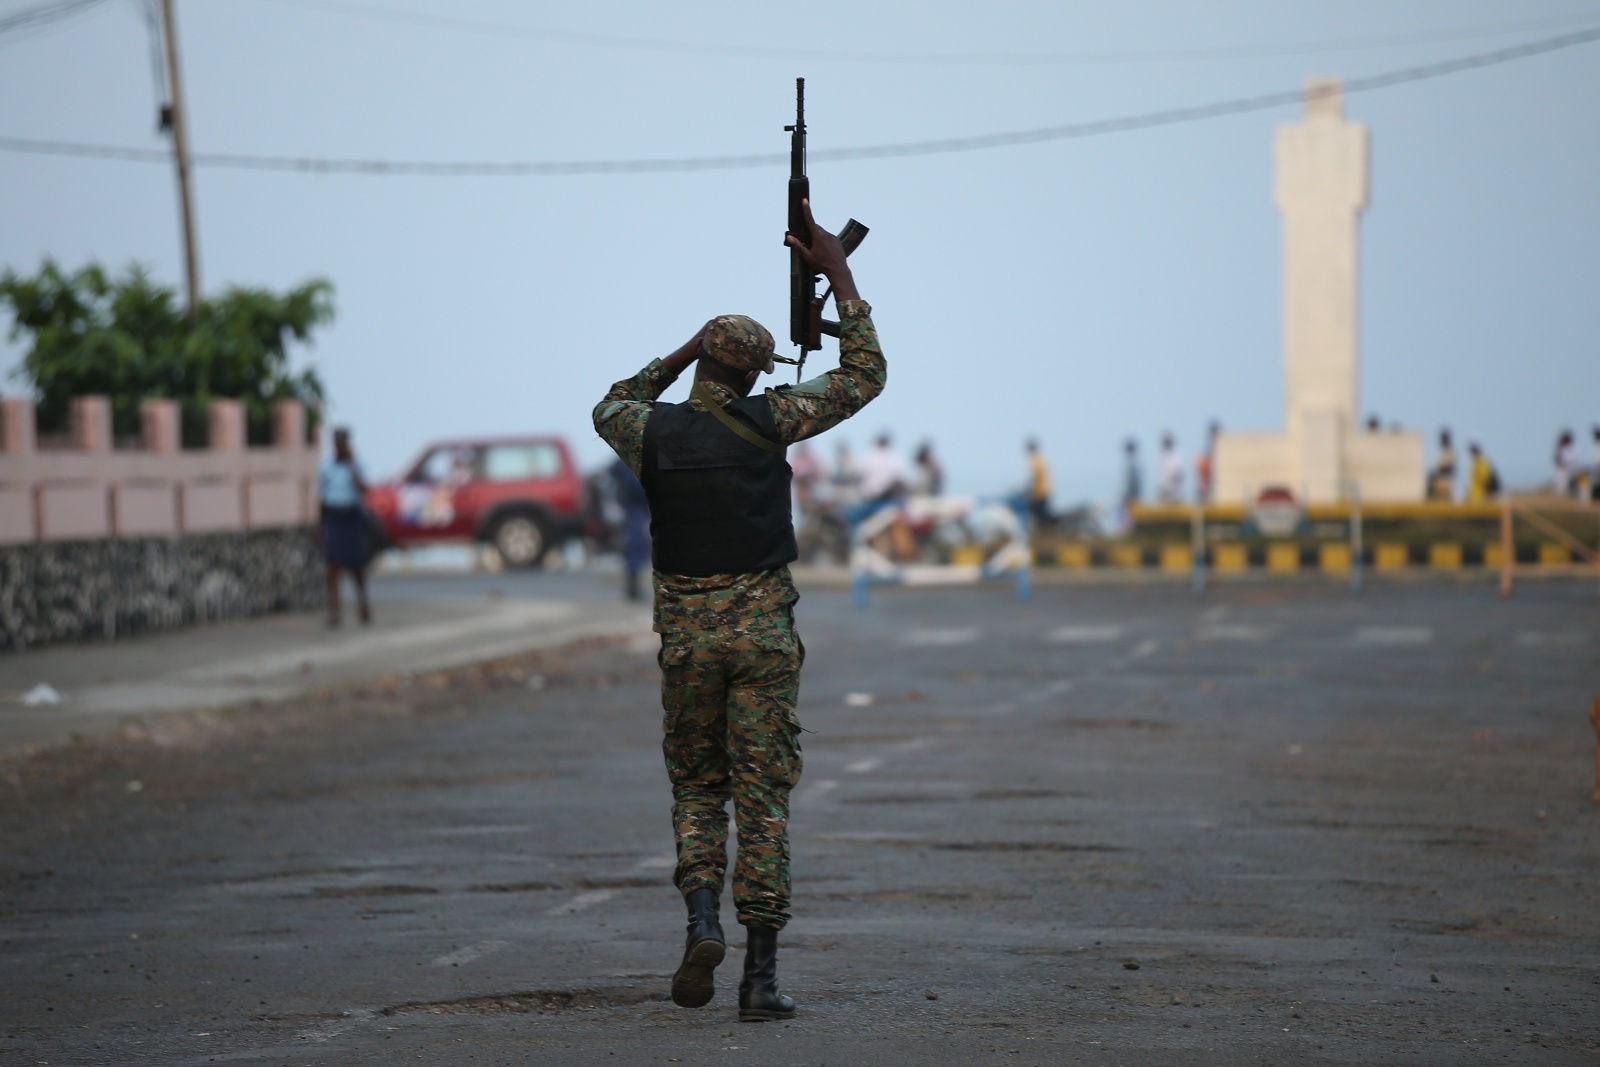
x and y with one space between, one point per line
1323 451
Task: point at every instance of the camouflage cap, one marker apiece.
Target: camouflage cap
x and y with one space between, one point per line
740 342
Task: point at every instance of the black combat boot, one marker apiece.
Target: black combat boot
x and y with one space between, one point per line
692 986
759 999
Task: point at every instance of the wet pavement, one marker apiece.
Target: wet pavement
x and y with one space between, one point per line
1279 824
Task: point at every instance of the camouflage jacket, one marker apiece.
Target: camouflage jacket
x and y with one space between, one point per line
798 412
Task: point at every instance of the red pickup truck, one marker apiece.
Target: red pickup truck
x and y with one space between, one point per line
521 494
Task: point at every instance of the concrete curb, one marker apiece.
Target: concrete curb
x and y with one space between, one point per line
108 686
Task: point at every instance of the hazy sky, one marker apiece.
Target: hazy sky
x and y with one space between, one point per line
1079 290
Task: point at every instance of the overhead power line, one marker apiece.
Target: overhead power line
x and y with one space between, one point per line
30 18
1149 120
879 57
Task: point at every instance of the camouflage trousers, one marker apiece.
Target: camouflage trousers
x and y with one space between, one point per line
731 734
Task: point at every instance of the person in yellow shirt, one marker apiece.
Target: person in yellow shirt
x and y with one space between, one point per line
1483 483
1038 484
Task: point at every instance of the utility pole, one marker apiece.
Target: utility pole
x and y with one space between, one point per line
180 151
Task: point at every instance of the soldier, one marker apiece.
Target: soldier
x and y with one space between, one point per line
722 536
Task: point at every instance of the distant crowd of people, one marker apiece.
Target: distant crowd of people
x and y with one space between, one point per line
1171 473
829 498
880 476
1483 481
1574 476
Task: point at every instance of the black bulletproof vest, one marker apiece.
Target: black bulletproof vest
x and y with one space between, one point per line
718 504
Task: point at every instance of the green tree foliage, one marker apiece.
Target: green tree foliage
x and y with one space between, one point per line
130 339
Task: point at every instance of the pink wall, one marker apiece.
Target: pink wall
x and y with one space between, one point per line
93 491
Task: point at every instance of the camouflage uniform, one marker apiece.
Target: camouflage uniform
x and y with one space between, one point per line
730 658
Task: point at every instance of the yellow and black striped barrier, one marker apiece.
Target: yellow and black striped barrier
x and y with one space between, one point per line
1536 535
1297 557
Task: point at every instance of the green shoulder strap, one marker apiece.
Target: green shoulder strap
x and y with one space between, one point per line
703 394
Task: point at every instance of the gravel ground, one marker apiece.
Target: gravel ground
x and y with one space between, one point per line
1277 825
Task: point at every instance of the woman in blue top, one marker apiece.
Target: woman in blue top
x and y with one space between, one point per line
342 487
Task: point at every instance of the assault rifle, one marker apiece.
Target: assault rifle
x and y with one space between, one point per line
806 324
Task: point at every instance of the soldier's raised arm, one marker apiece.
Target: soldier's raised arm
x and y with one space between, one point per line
823 402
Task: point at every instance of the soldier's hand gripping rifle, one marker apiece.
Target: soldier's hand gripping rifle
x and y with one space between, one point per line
806 324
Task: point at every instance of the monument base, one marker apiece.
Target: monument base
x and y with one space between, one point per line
1385 467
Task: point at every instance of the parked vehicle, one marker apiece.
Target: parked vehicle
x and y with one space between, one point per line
523 495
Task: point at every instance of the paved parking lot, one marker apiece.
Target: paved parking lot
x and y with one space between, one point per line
1280 824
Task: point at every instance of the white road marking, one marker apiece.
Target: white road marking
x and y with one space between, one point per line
963 635
1146 647
1535 639
1054 689
858 700
864 766
1084 635
581 901
808 794
468 953
658 863
1234 632
1394 635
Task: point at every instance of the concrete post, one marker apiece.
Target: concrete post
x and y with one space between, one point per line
159 428
91 423
18 427
225 426
1508 545
288 424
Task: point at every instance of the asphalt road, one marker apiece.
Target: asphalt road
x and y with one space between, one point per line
1277 825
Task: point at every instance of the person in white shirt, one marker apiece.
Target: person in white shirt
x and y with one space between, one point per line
1171 471
883 474
1566 463
1594 465
342 489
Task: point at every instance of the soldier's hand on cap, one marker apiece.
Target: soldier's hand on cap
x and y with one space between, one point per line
687 352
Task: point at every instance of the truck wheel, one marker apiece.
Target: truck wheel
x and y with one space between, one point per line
521 541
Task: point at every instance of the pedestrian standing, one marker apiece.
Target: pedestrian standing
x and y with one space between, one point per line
1039 487
928 479
1566 464
714 472
883 474
1442 482
1594 464
1171 471
845 482
1483 481
341 488
1205 463
635 527
807 475
1132 483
